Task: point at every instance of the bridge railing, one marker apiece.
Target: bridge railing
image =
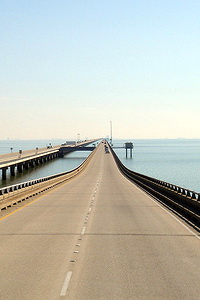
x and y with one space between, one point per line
41 184
184 201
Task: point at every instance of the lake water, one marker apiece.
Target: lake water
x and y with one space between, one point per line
176 161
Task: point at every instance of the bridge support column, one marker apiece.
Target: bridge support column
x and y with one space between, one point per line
60 154
37 162
31 163
129 146
4 173
131 153
19 168
26 165
12 170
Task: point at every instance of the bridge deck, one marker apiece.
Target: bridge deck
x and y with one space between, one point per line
7 159
11 158
36 156
97 237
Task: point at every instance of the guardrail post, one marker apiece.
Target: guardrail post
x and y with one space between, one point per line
188 193
193 196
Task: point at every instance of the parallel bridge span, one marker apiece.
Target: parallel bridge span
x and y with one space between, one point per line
31 158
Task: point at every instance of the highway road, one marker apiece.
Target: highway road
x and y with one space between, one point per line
97 236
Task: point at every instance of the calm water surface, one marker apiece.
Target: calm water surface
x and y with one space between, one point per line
175 161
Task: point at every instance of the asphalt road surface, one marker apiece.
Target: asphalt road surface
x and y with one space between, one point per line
97 237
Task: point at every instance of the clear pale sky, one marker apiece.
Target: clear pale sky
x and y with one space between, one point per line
72 66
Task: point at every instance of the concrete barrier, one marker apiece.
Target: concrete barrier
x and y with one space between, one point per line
184 201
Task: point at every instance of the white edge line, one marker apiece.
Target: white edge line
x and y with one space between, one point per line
83 230
66 284
179 221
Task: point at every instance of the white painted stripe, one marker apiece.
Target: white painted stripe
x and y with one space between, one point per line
66 284
83 230
173 216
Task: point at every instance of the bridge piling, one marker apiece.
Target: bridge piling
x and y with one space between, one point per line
37 158
4 173
20 168
12 170
129 145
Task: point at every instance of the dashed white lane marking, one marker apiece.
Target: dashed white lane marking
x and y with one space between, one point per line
69 274
83 230
66 284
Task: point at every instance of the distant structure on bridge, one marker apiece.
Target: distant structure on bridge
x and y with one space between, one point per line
127 146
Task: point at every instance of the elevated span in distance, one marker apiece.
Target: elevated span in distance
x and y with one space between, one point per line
26 159
97 236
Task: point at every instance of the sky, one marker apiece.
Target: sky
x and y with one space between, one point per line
71 67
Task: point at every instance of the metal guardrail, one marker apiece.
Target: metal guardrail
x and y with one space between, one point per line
184 201
30 186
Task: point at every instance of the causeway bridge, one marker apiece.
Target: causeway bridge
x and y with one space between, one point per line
26 159
100 231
